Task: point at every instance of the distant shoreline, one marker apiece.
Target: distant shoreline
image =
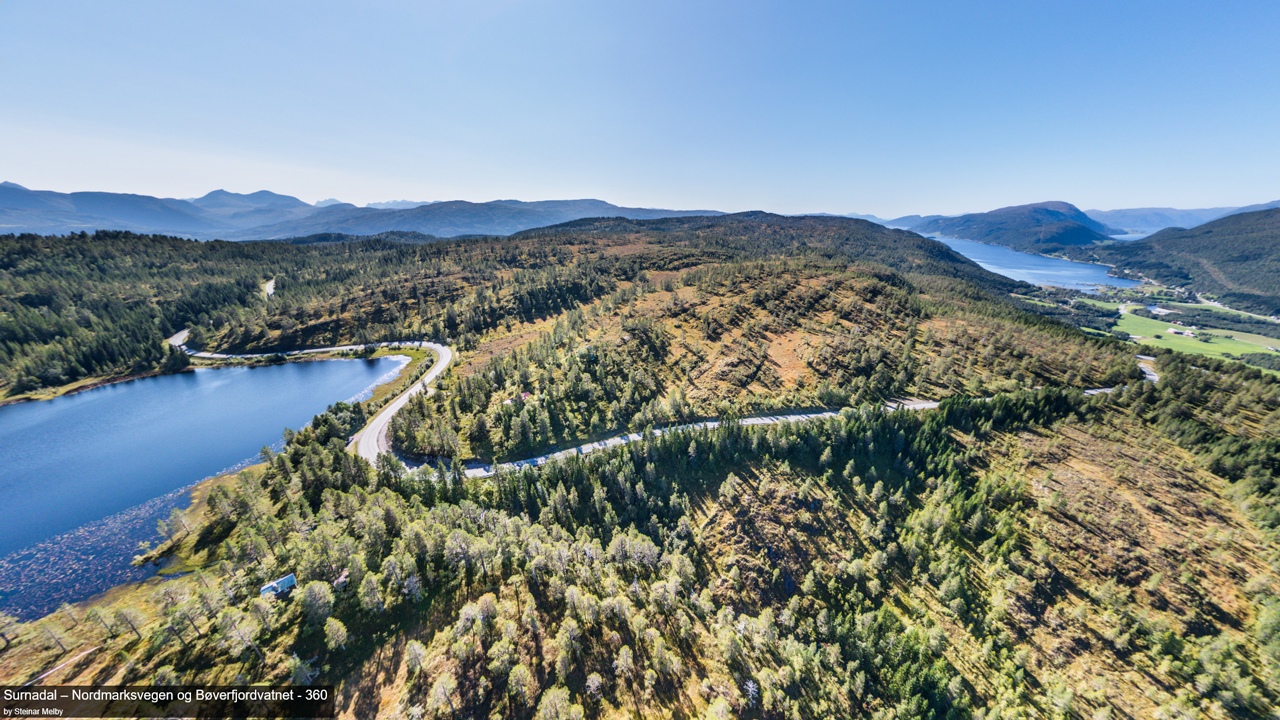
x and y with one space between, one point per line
1144 280
109 380
214 364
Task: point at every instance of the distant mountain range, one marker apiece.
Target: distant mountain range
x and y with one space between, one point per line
453 218
398 204
23 210
906 222
1149 220
901 223
1234 256
1041 227
266 215
1256 208
1115 222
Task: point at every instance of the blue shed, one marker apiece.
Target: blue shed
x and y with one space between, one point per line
281 586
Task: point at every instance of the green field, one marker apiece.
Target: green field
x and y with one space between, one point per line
1033 301
1147 293
1237 344
1100 303
1212 308
1260 340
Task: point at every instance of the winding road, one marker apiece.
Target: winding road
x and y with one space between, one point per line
372 440
488 470
1145 363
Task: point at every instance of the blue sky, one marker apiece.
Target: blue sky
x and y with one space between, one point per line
876 107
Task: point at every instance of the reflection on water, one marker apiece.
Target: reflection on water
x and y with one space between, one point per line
1035 269
86 475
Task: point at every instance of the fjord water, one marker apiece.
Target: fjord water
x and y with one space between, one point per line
80 458
1035 269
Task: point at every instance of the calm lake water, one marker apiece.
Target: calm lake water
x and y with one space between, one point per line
1035 269
78 468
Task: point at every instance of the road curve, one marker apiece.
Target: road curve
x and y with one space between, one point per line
1149 375
488 470
371 440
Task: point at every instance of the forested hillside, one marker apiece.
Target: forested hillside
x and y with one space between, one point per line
1041 555
1039 228
758 337
1023 551
101 305
1236 259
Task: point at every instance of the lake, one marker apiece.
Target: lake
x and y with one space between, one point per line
84 473
1036 269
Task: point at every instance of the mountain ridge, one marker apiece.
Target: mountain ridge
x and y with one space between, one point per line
452 218
265 215
1236 258
1037 227
1150 219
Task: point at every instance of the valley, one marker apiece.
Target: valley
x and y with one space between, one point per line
622 361
1003 544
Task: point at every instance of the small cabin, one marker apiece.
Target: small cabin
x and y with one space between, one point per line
280 587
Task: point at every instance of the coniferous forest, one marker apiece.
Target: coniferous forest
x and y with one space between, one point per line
1024 550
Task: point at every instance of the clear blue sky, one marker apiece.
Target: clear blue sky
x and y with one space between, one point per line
886 107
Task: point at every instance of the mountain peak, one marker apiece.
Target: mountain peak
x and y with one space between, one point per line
13 186
225 199
1035 226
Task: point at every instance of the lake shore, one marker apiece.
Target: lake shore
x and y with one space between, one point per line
940 238
99 381
88 384
1037 269
88 478
79 553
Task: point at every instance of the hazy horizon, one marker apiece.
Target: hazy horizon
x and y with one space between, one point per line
914 108
403 204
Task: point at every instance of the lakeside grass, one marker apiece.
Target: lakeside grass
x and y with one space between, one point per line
99 657
51 393
7 396
419 358
416 357
182 552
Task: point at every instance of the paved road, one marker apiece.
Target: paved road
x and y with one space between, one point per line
487 470
179 340
373 438
1206 301
1146 363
